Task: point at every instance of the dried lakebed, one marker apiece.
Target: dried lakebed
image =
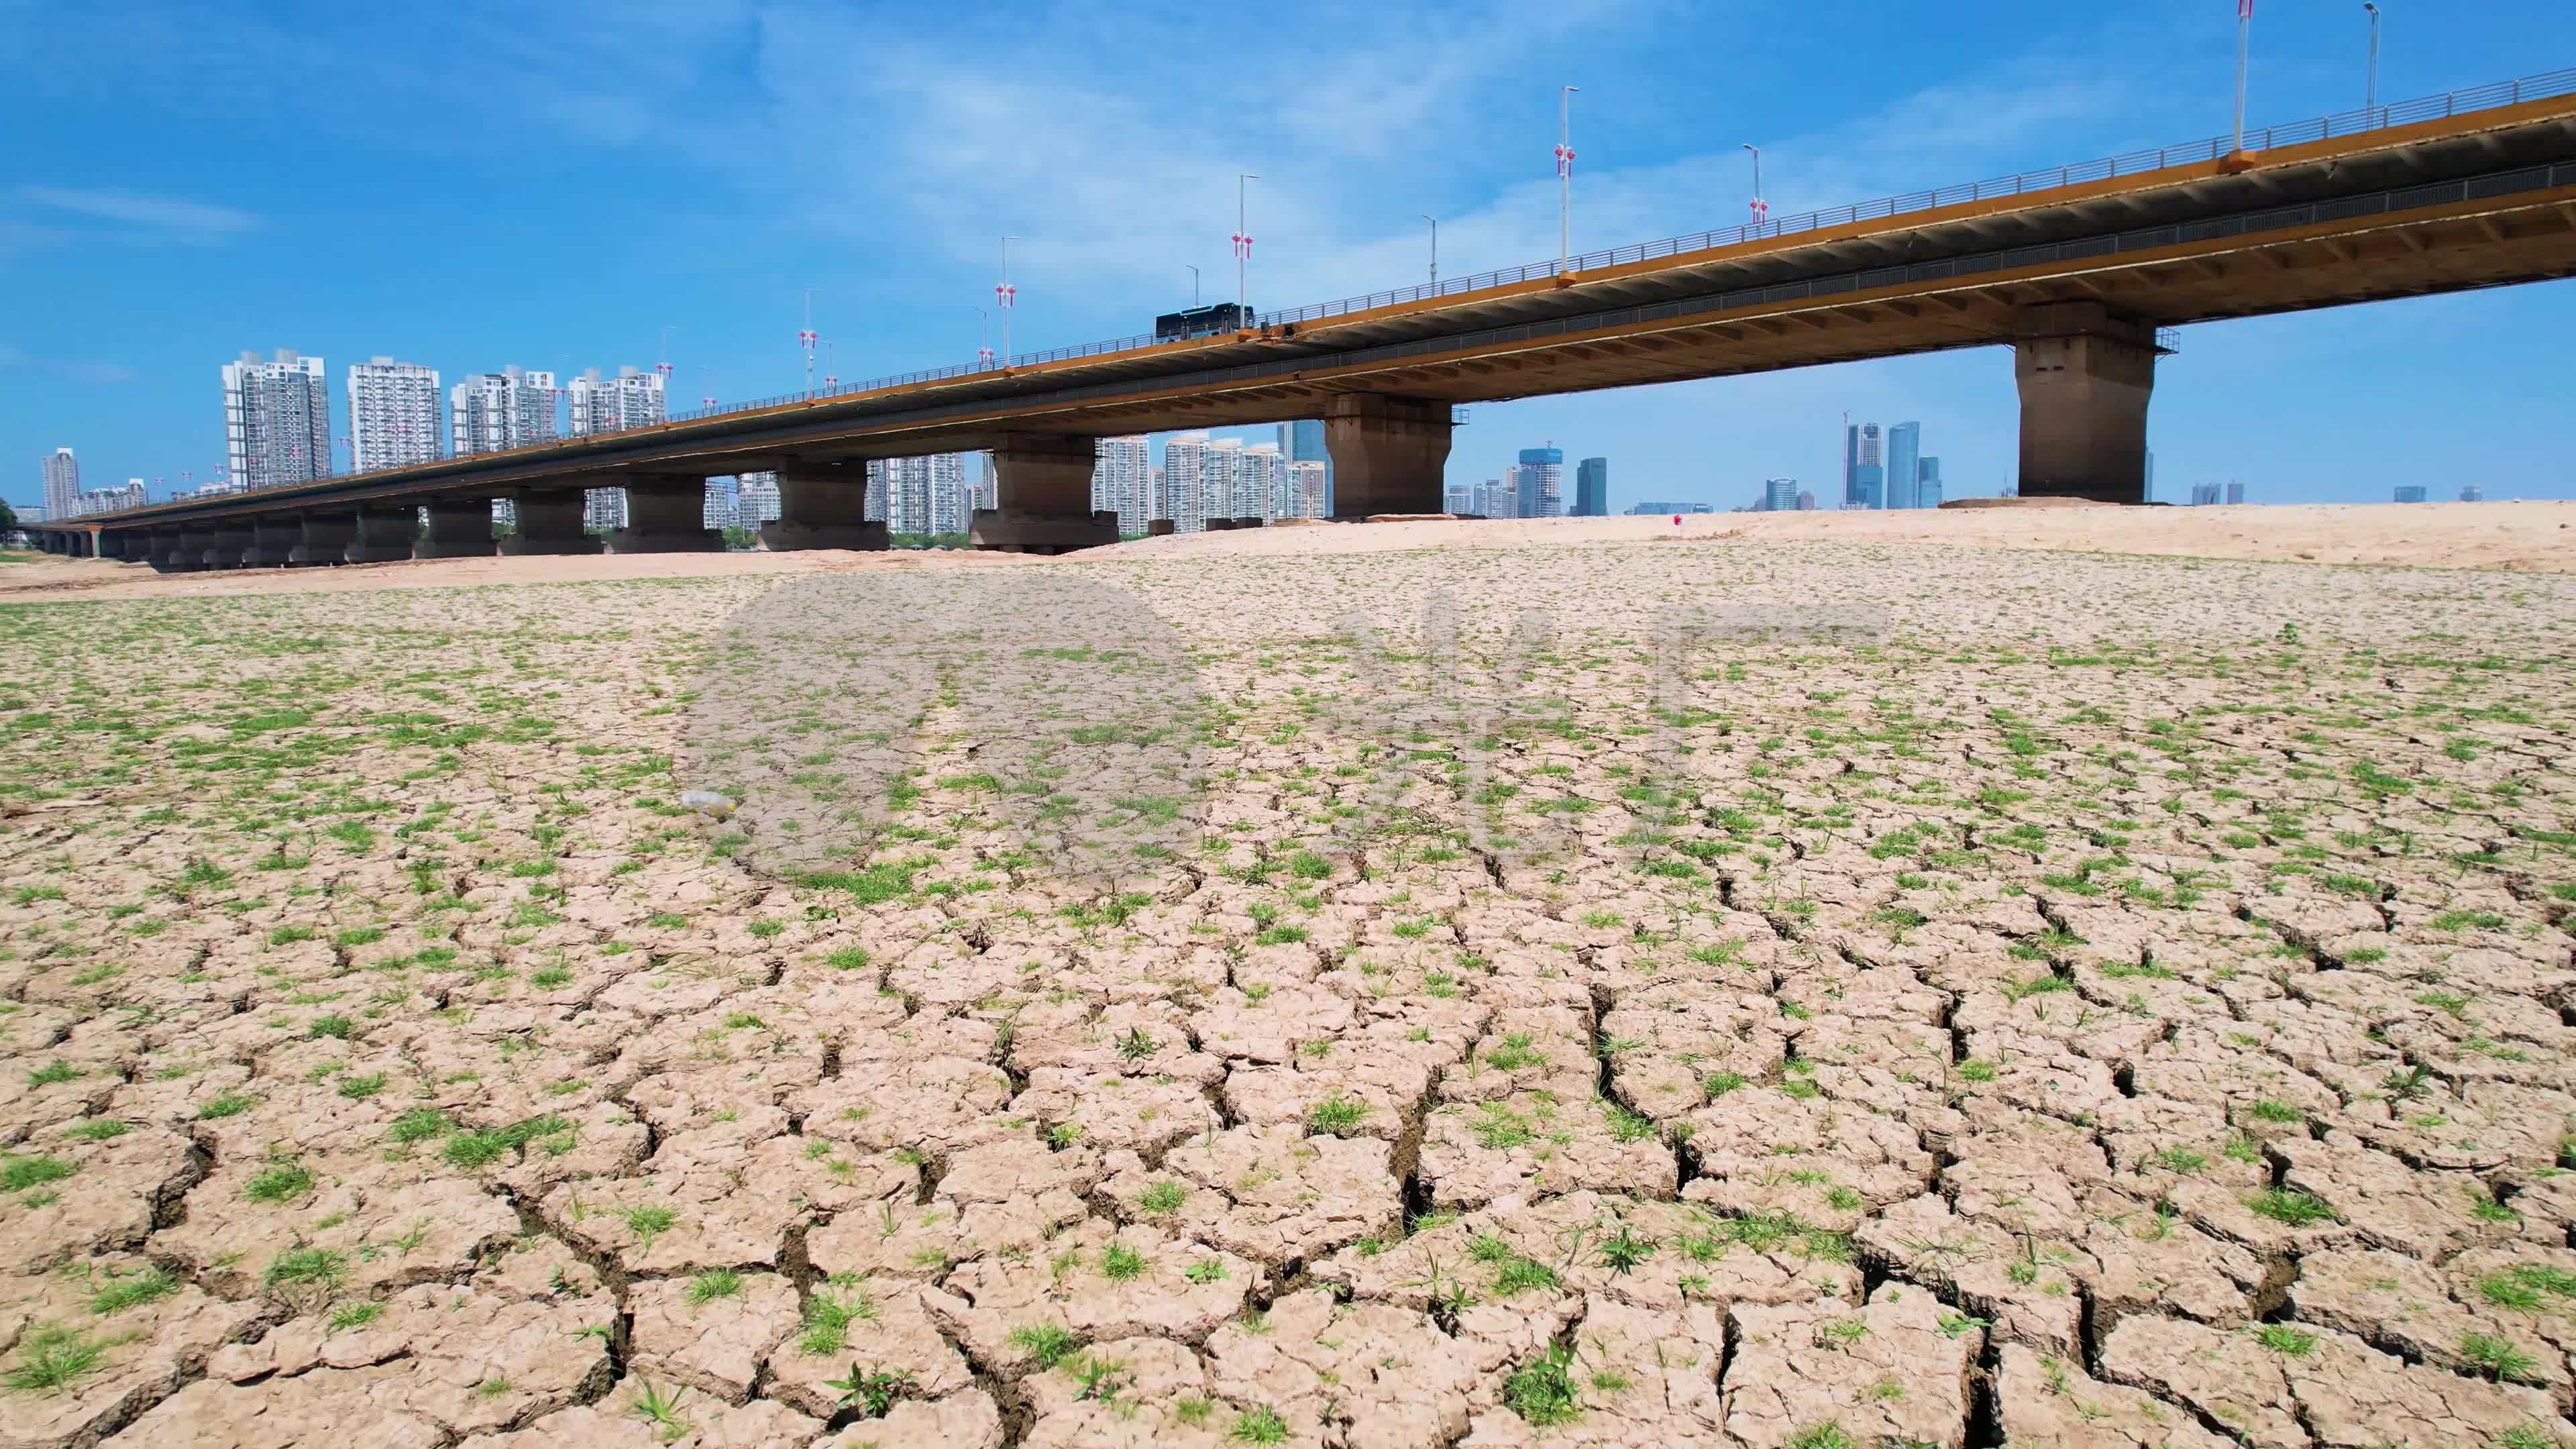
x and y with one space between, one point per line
1545 996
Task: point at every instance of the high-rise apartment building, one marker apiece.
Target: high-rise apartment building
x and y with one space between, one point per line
1927 483
1303 442
1538 483
1780 495
1851 461
952 498
393 414
1122 482
2410 493
1495 499
495 410
2235 492
1458 498
277 420
62 483
2471 493
2203 494
1218 477
1869 471
756 499
596 404
722 509
1806 503
1310 489
1904 454
631 399
1260 483
1592 488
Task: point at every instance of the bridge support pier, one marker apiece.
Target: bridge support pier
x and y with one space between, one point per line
665 513
549 523
123 547
1042 497
178 553
322 538
272 542
381 535
227 545
823 505
1390 454
458 528
2085 374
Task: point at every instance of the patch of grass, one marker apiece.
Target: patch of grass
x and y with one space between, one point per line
2498 1358
1541 1391
1259 1424
2292 1207
828 1317
1162 1198
278 1182
1336 1116
711 1285
50 1357
17 1174
649 1222
122 1291
51 1072
1121 1263
2283 1339
1048 1343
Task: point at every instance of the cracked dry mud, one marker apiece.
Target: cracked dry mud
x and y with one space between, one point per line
2116 1002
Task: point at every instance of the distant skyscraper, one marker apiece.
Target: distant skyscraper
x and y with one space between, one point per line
1303 442
2469 493
1592 488
2410 493
1458 498
495 410
1309 487
756 499
1260 482
1851 461
1806 503
631 399
952 495
1869 472
1927 483
1494 499
2203 494
1122 482
1780 495
62 483
1184 494
277 420
1904 454
1223 468
1538 483
393 414
723 508
2235 492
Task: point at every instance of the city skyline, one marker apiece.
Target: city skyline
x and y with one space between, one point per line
114 245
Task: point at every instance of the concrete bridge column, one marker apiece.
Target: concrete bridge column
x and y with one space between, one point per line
1390 454
272 541
2086 374
381 535
823 505
322 538
227 544
125 547
458 528
549 523
179 552
666 513
1042 486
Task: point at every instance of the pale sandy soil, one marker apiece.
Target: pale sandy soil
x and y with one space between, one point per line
2502 536
1544 993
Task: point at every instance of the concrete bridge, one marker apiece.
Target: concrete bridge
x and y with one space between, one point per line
2078 269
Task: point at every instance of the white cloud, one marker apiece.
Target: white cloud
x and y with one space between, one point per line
160 213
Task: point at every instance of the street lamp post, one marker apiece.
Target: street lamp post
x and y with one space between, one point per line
983 348
805 339
1564 174
1005 294
1242 246
1435 246
2244 47
2370 92
1194 287
1761 208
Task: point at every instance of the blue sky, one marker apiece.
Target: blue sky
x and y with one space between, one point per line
555 185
